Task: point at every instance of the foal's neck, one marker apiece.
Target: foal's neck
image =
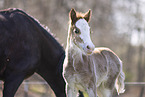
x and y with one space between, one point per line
74 55
77 58
73 49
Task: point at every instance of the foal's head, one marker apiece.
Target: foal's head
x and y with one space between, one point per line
79 31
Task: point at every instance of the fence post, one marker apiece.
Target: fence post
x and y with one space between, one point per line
26 88
141 92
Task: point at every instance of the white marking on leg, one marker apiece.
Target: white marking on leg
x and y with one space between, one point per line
104 92
71 91
91 92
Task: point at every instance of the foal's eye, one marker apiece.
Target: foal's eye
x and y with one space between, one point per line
76 31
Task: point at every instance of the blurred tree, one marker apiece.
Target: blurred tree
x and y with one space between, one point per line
7 3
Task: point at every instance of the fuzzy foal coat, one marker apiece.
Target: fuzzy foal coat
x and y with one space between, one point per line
98 70
96 74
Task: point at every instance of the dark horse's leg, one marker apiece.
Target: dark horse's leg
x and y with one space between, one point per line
81 94
52 73
11 84
55 81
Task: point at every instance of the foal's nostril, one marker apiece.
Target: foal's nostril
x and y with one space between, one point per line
88 47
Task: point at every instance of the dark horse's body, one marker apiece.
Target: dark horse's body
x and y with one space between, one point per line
26 47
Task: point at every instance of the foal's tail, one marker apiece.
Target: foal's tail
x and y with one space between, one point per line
120 82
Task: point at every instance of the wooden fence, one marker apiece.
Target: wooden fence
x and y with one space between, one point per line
128 84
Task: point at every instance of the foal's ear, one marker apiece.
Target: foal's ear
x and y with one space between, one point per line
72 15
87 15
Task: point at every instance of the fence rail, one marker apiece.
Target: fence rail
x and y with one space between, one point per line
135 83
27 83
43 82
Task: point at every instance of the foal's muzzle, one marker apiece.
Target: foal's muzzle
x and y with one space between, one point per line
89 49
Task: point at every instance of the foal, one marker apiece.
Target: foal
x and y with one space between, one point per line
94 71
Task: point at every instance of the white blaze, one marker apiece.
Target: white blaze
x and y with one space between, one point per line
82 24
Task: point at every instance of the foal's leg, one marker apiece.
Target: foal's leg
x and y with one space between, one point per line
71 91
104 92
11 84
106 88
92 91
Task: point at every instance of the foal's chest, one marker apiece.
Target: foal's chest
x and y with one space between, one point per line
81 80
78 72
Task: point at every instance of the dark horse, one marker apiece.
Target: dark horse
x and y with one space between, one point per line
26 47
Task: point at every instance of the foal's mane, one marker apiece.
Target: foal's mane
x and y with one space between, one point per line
80 15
